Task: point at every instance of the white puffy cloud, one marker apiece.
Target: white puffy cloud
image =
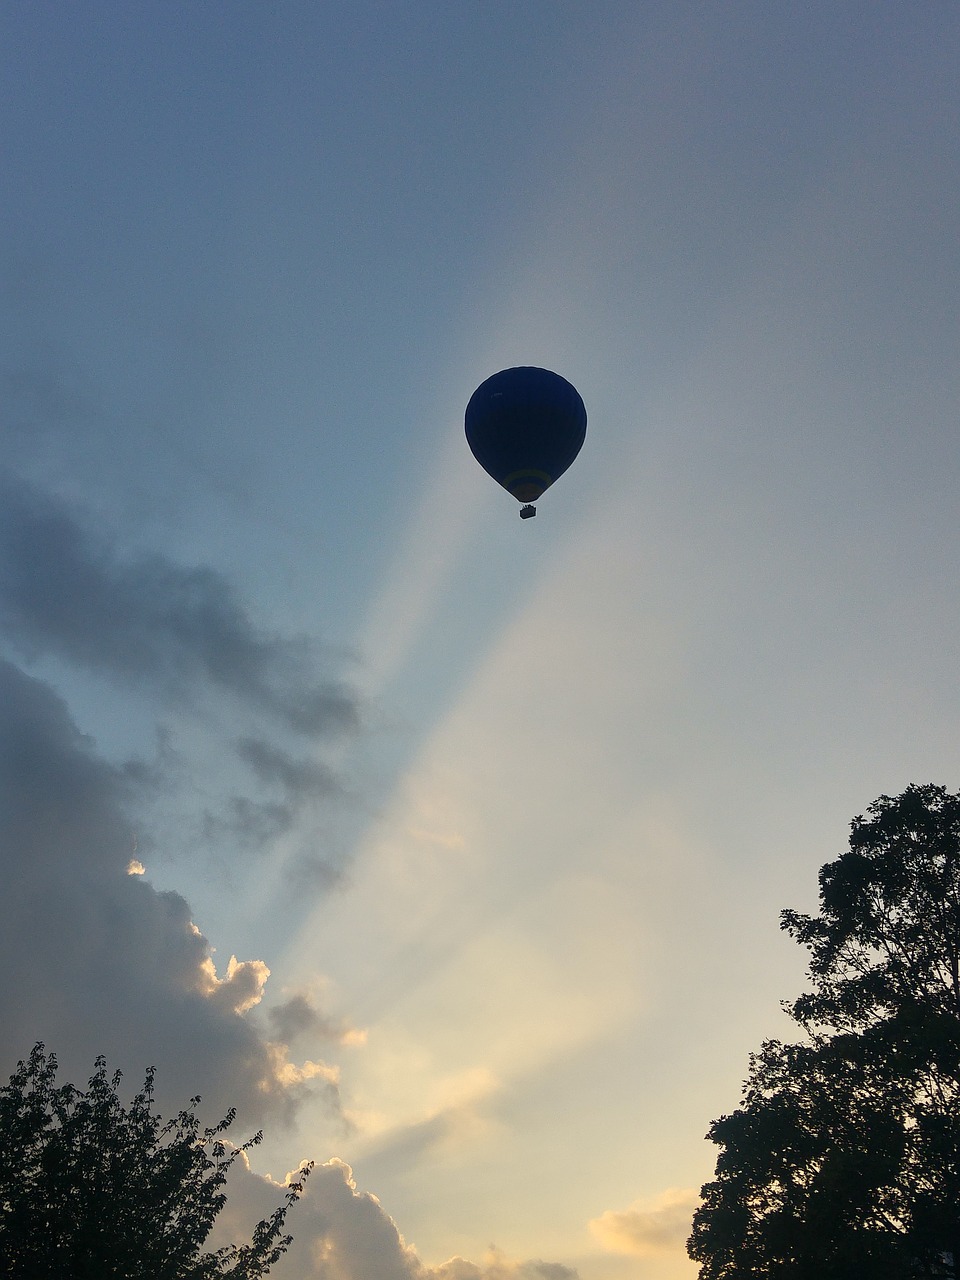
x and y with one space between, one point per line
650 1227
498 1267
241 987
342 1233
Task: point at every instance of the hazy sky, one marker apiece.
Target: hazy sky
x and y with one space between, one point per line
463 838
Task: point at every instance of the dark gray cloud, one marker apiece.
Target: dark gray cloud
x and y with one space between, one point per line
299 1016
252 821
147 619
95 960
298 777
56 796
181 641
245 823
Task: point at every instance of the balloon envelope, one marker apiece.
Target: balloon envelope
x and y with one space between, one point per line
525 426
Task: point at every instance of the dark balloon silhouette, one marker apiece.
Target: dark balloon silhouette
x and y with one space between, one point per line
525 426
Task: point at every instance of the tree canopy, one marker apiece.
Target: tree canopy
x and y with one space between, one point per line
93 1190
843 1159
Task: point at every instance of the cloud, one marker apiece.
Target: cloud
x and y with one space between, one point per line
459 1118
244 823
660 1226
253 822
299 1016
341 1233
94 959
148 619
242 986
498 1267
297 777
239 713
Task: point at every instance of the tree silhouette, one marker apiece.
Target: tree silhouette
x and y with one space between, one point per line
843 1159
93 1190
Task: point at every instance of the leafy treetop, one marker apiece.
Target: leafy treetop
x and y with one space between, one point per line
93 1190
843 1159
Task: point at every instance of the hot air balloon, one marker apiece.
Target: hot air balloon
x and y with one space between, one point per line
525 426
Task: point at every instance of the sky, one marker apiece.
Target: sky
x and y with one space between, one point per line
450 848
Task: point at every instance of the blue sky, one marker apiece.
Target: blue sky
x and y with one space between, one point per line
508 810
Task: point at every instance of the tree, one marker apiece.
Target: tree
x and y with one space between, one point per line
843 1159
93 1190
